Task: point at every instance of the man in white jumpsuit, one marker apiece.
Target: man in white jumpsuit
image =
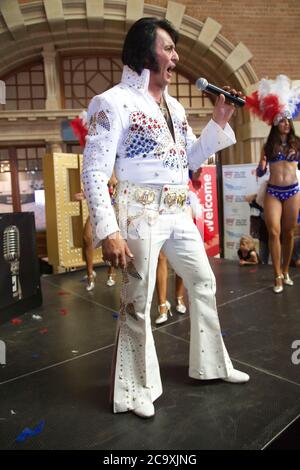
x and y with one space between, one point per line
137 128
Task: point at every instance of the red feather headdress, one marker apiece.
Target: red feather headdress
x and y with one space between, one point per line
274 100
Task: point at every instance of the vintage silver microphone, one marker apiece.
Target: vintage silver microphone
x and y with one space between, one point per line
11 254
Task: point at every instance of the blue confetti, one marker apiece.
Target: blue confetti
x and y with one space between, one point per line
27 432
115 315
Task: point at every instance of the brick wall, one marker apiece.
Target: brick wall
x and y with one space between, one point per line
269 28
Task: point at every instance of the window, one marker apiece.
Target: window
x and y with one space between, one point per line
31 183
185 91
5 182
25 89
30 159
85 77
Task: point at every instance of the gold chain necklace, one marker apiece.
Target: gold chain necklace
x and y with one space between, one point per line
163 107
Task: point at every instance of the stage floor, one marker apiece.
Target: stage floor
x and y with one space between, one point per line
56 379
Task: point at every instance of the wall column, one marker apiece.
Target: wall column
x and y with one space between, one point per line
54 147
53 100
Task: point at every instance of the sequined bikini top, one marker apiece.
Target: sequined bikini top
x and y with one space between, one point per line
293 156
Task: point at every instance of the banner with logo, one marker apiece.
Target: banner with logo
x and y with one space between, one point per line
239 181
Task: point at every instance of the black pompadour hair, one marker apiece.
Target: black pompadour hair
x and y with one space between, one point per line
139 45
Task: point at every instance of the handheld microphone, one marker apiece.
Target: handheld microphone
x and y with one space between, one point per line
11 254
202 84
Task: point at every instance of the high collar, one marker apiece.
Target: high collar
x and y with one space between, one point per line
140 82
133 79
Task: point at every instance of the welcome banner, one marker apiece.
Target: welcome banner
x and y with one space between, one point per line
207 222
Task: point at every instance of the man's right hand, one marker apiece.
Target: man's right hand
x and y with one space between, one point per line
223 110
79 196
115 250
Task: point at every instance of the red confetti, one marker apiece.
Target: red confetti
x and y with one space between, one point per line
61 292
63 311
43 331
16 321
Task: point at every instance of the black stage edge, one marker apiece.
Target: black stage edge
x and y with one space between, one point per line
54 387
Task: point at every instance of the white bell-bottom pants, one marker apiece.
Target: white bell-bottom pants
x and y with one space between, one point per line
136 375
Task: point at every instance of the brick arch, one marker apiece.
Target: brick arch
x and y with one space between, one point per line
26 27
103 26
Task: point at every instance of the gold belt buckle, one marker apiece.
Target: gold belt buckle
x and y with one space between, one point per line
181 198
170 199
175 198
144 196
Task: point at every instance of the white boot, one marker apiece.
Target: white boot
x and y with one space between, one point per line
145 411
237 377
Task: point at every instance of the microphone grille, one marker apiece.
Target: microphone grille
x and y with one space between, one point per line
11 243
201 84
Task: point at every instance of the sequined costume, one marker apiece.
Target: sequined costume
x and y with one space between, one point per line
281 193
128 132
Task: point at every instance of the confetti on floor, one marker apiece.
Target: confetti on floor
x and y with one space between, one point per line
27 432
16 321
37 317
44 331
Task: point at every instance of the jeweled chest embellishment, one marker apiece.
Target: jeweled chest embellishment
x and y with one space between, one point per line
143 134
